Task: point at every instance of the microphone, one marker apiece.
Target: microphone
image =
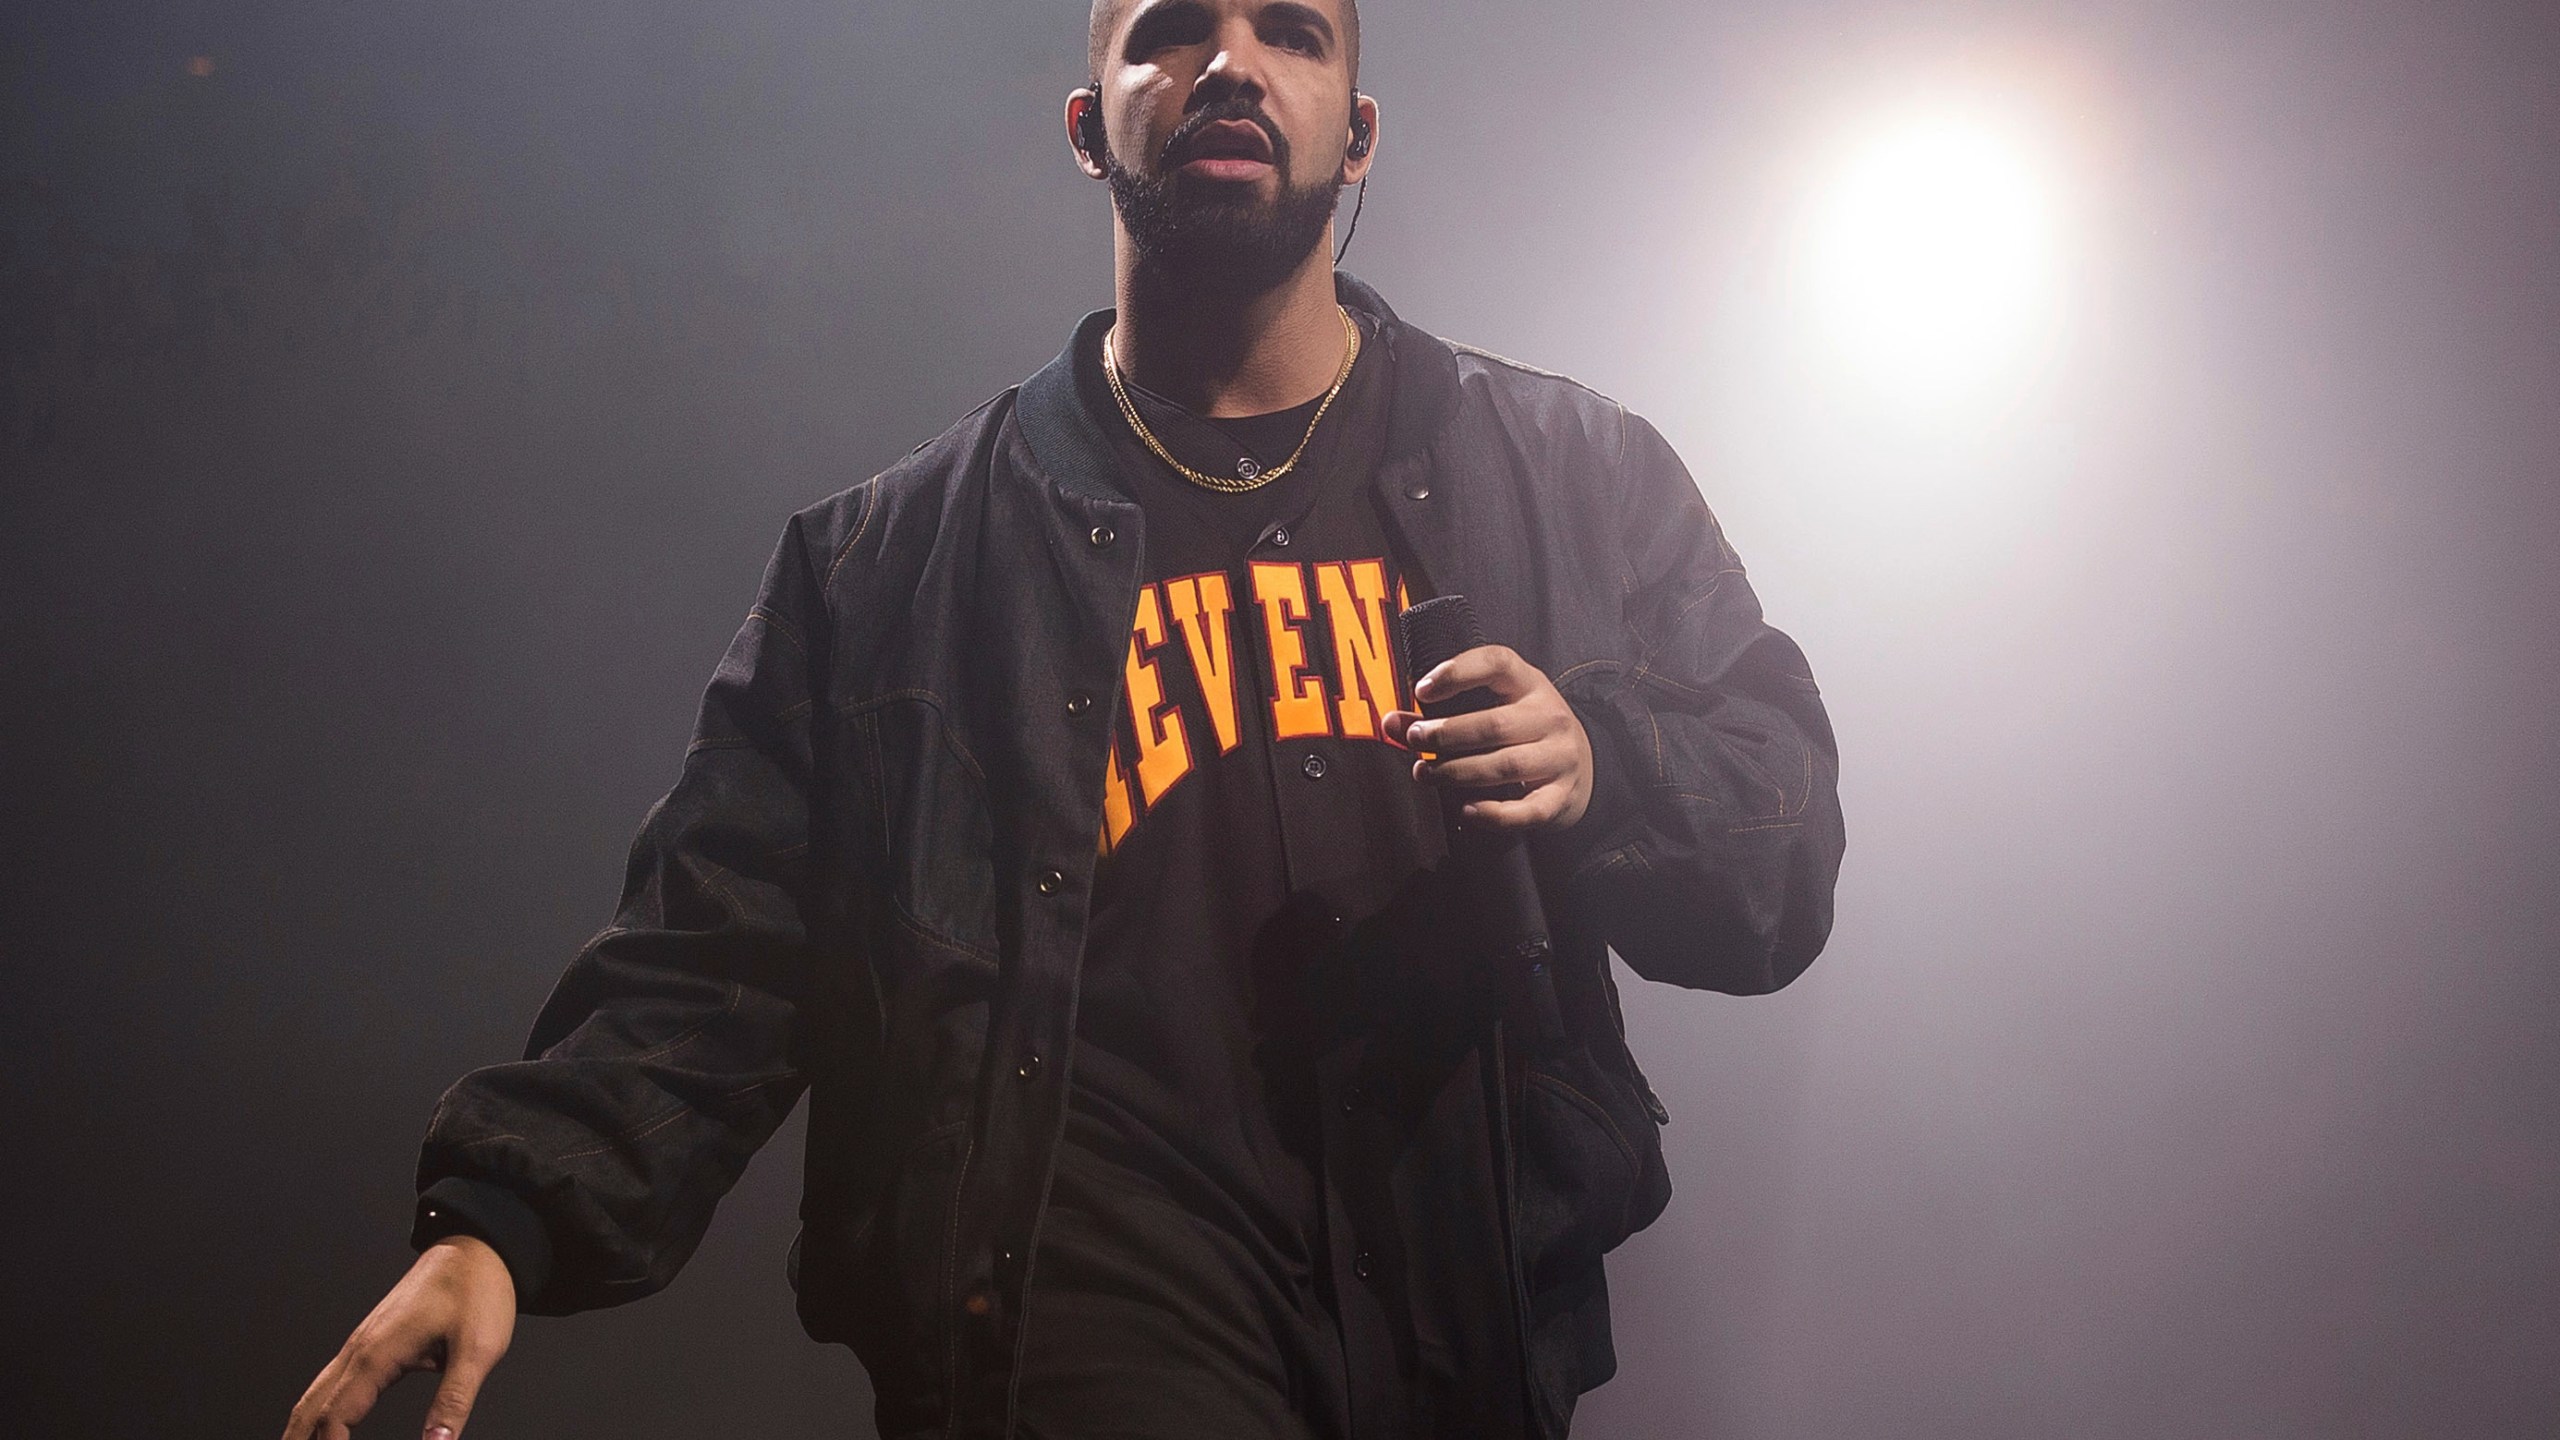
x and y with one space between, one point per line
1493 864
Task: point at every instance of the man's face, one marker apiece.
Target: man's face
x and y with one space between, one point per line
1226 123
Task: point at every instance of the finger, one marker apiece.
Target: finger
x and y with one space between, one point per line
1515 724
1530 765
304 1422
447 1413
311 1413
330 1414
1395 725
1539 807
368 1374
1494 667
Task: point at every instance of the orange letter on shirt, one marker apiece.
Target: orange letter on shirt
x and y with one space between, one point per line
1200 604
1355 609
1164 751
1297 697
1116 812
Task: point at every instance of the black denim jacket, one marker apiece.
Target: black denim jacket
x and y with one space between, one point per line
870 881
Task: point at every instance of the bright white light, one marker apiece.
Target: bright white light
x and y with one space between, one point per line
1932 262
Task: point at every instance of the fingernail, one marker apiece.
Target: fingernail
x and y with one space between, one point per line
438 1432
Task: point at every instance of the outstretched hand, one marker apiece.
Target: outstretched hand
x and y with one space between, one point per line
1529 739
455 1311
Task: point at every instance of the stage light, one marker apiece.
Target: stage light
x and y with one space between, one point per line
1931 264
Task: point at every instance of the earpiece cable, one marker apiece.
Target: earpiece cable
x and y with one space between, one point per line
1356 207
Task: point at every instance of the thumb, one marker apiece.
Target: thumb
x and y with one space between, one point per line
454 1396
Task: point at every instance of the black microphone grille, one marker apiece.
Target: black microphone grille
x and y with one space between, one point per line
1438 630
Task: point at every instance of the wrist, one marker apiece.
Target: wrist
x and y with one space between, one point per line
473 1260
497 1218
463 1248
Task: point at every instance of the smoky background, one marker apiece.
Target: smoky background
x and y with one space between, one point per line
398 403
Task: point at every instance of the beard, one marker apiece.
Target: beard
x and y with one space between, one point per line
1218 232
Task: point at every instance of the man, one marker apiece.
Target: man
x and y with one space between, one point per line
1052 823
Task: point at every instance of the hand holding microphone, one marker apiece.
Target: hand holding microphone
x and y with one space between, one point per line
1513 756
1492 723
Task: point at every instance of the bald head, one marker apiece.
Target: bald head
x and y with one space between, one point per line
1105 21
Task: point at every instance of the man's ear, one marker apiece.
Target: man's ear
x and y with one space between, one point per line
1363 149
1084 131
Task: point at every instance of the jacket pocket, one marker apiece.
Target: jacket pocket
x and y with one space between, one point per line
1589 1168
879 1280
925 830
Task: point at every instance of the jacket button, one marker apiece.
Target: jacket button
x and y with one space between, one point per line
1079 703
1362 1264
1313 768
1351 1099
1029 1069
1100 535
1280 536
1417 491
1051 882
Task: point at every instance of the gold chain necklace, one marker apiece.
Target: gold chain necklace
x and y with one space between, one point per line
1250 476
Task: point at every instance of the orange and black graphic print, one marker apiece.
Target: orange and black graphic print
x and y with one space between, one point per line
1307 651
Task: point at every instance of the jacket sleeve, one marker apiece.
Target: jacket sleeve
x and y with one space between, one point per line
664 1056
1714 835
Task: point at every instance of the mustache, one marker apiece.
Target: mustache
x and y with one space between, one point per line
1238 108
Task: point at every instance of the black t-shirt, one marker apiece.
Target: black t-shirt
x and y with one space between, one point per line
1253 815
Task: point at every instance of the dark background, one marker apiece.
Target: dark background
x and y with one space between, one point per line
396 417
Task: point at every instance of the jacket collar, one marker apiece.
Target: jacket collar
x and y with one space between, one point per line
1072 450
1425 395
